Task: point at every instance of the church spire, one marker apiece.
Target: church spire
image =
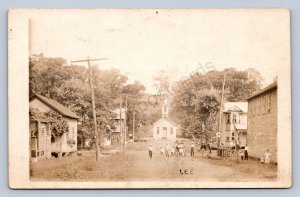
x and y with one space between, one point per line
165 109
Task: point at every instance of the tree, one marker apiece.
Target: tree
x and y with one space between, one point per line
46 74
133 93
68 84
196 99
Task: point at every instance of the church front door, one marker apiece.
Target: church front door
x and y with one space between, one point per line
164 133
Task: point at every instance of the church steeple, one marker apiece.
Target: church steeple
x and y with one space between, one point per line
165 109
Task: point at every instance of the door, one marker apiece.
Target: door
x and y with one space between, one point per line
164 133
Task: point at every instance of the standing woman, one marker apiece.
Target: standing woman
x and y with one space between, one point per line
267 156
246 152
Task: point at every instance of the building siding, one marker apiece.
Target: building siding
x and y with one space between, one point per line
228 128
164 124
262 125
55 146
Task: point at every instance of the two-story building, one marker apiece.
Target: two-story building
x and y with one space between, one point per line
234 124
262 122
119 116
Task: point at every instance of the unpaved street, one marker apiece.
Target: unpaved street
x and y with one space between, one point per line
135 165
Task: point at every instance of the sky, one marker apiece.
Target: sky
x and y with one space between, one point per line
140 42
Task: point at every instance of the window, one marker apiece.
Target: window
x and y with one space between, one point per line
227 139
171 130
48 130
260 100
254 107
157 131
228 119
263 104
235 120
250 110
165 109
269 103
257 106
43 129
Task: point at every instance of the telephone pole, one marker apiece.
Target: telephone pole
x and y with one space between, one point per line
133 122
220 115
121 132
125 118
88 60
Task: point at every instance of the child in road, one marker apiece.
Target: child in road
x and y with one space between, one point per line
162 150
150 151
192 150
167 151
172 152
242 154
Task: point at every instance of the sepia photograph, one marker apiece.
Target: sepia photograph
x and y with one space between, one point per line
149 98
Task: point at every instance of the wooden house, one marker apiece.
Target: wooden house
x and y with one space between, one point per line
234 124
119 126
42 143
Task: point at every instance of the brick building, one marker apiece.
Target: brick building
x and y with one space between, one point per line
262 122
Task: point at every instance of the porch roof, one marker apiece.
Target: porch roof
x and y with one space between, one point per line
241 127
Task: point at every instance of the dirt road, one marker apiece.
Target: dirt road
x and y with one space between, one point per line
135 165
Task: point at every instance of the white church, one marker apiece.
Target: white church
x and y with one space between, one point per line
165 128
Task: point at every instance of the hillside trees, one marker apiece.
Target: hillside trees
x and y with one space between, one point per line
68 84
196 99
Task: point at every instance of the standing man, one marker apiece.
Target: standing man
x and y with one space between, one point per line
246 152
150 151
209 147
221 150
192 149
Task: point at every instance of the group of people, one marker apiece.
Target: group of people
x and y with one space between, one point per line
234 149
244 153
178 150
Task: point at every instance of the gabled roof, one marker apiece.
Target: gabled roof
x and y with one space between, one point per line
55 105
167 119
236 106
266 89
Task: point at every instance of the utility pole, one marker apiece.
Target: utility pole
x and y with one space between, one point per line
125 118
88 60
133 124
121 133
220 115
